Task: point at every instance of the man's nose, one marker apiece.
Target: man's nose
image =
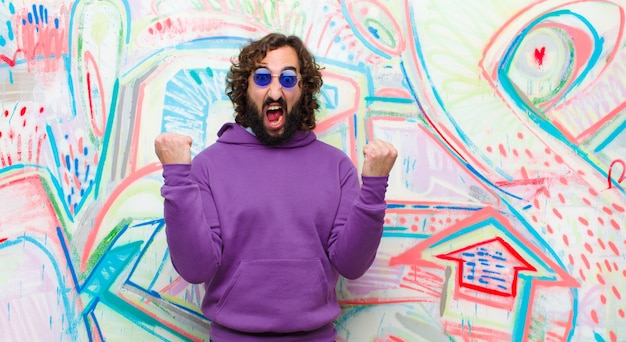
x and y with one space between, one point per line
275 90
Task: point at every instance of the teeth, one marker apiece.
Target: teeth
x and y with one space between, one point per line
273 107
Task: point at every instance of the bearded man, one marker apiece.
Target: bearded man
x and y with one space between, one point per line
269 217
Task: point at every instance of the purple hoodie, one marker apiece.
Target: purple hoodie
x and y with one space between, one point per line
269 230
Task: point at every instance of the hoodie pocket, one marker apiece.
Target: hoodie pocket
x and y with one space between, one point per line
277 296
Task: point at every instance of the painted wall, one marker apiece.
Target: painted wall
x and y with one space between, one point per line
506 218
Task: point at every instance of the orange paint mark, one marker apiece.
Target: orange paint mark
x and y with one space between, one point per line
502 150
613 336
584 257
547 150
402 220
593 191
587 202
566 240
520 135
615 225
621 313
534 218
557 213
590 232
616 292
561 198
594 316
489 149
583 221
603 299
613 248
608 265
601 243
76 182
558 159
607 210
600 280
528 153
588 247
582 275
515 152
601 220
550 229
618 207
563 180
571 259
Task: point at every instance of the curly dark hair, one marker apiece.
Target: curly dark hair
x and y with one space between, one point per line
249 57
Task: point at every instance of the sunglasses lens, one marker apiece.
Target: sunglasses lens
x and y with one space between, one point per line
288 79
262 77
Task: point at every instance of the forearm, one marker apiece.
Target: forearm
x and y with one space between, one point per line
192 229
356 243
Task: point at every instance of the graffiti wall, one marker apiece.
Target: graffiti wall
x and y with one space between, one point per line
506 214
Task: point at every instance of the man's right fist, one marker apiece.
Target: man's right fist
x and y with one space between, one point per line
173 148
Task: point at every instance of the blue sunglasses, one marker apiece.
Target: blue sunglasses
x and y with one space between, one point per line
287 78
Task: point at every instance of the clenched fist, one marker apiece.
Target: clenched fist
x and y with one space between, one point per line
379 158
173 148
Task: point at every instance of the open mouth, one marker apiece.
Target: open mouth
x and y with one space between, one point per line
274 115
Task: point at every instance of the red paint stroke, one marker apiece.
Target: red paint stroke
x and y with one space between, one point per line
476 333
418 254
622 176
3 240
517 264
97 111
539 55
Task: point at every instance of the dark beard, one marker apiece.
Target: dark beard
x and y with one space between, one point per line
292 125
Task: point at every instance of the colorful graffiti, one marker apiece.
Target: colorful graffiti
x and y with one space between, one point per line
506 214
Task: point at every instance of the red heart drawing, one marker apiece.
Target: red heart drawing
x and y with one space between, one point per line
540 54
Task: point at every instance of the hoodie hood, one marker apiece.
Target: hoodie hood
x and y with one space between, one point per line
232 133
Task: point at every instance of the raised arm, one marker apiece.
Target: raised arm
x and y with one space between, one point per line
192 224
359 222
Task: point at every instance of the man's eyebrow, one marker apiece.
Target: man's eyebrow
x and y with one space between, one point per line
261 66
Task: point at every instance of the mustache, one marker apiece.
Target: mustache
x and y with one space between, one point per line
280 101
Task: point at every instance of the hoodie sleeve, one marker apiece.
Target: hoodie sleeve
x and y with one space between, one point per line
358 225
192 224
